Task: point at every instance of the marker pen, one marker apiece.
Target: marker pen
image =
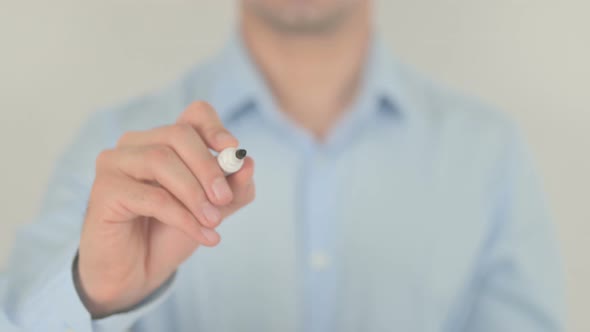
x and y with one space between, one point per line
231 160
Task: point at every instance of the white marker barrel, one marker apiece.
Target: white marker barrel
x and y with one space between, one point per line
231 160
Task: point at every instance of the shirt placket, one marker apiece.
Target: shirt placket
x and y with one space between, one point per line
318 230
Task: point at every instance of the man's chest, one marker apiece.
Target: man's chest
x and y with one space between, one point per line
400 240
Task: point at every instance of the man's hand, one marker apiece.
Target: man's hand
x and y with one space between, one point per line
156 197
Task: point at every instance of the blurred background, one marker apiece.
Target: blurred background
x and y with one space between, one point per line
62 59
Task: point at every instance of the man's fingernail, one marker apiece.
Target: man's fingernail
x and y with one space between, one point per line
211 235
211 213
221 190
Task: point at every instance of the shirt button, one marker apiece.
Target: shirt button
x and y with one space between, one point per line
319 261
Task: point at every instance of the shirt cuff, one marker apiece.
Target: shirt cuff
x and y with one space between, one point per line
57 304
53 303
124 320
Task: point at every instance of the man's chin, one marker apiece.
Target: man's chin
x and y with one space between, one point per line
304 18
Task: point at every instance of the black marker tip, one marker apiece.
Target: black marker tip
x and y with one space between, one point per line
241 154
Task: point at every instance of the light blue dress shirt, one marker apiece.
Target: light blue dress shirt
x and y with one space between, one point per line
420 212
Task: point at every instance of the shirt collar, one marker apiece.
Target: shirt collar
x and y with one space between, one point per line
238 86
382 80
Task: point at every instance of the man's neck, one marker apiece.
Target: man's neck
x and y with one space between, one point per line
313 77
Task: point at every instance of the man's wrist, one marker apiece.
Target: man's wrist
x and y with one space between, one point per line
96 311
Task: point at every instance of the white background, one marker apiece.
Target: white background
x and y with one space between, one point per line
61 59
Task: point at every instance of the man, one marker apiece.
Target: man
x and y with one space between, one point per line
384 202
